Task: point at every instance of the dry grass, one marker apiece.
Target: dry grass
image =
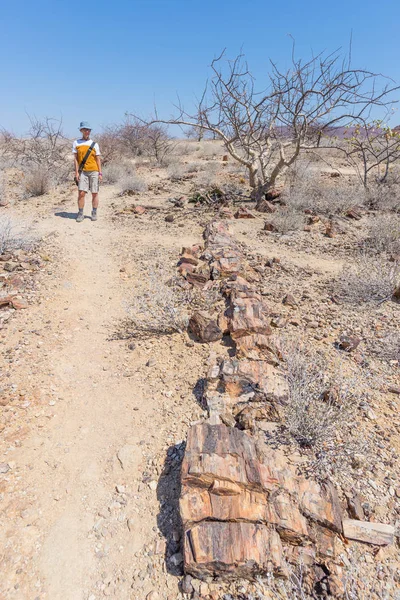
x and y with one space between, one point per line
306 191
14 235
37 182
367 280
161 309
286 220
322 407
384 234
130 184
114 172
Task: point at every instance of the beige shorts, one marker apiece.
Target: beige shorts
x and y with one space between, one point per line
89 181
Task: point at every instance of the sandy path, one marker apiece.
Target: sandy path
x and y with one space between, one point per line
79 545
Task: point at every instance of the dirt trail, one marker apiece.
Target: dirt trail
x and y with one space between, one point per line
66 535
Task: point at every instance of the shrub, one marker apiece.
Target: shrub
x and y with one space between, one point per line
384 234
303 192
13 235
208 178
322 406
367 280
161 309
286 220
130 184
177 171
36 182
113 172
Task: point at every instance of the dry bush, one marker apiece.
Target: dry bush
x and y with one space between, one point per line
322 405
36 182
110 145
209 176
384 235
130 184
3 190
286 220
14 235
304 192
177 171
195 167
385 196
388 347
367 280
113 172
161 309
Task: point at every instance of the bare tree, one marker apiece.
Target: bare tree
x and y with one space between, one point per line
371 148
267 130
44 146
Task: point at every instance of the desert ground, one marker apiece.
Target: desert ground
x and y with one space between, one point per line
97 396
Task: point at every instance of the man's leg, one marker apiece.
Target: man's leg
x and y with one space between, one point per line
95 194
81 206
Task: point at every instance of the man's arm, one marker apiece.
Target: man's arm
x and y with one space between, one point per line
76 166
98 161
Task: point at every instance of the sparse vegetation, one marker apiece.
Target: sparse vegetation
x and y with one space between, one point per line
161 309
322 406
367 280
130 184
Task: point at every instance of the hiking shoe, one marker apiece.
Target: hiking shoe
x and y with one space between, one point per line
94 216
80 218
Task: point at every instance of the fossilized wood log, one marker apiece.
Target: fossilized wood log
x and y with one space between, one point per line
204 327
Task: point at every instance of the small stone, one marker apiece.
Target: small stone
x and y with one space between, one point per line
132 346
4 468
289 300
120 489
348 343
151 362
186 585
176 559
153 485
170 218
153 595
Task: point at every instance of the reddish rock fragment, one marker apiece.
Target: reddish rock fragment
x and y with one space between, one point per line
348 343
270 227
266 207
204 327
243 213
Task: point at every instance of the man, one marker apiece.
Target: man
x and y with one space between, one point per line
90 174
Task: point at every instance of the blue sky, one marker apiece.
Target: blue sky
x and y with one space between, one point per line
95 60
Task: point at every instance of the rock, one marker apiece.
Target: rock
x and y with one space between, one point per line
176 559
19 304
243 213
348 343
204 327
169 218
265 207
129 457
289 300
270 227
273 193
153 595
153 485
378 534
187 257
225 158
10 266
139 210
330 230
132 346
354 213
151 362
4 467
354 506
186 585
